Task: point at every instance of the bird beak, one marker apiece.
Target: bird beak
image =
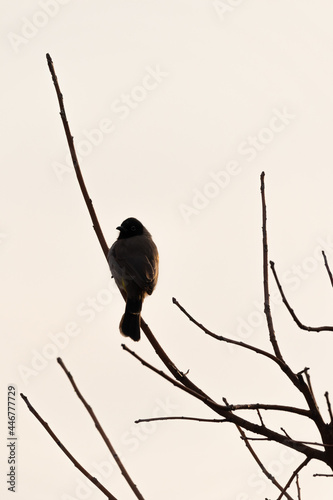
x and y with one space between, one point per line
121 229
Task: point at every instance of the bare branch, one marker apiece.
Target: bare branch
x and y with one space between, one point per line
298 488
70 141
98 426
294 474
285 432
291 311
327 267
267 307
261 465
260 417
226 339
196 419
190 391
158 349
284 367
256 458
308 379
235 419
263 406
313 443
67 453
329 406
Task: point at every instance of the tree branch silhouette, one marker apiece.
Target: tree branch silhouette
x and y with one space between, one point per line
70 141
327 268
181 380
291 311
67 453
100 429
225 412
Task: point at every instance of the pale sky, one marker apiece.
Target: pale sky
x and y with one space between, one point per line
176 107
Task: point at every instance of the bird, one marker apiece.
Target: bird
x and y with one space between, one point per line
134 262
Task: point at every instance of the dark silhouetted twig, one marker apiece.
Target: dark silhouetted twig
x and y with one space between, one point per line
225 412
257 459
98 426
294 474
291 311
195 419
327 267
67 453
267 307
70 140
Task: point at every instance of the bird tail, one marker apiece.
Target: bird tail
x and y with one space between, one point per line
130 322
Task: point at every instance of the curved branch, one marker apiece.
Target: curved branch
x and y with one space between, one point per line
291 311
70 140
284 367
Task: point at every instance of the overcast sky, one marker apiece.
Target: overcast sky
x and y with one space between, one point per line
176 107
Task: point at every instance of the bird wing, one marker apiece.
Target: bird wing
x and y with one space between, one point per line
135 259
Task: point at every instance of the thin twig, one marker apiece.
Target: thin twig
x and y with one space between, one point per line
195 419
267 307
298 488
291 311
260 417
327 267
257 459
322 475
285 432
308 379
70 140
329 406
284 367
312 443
294 474
67 453
98 426
197 395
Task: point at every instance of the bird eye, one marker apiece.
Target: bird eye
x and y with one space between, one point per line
133 228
